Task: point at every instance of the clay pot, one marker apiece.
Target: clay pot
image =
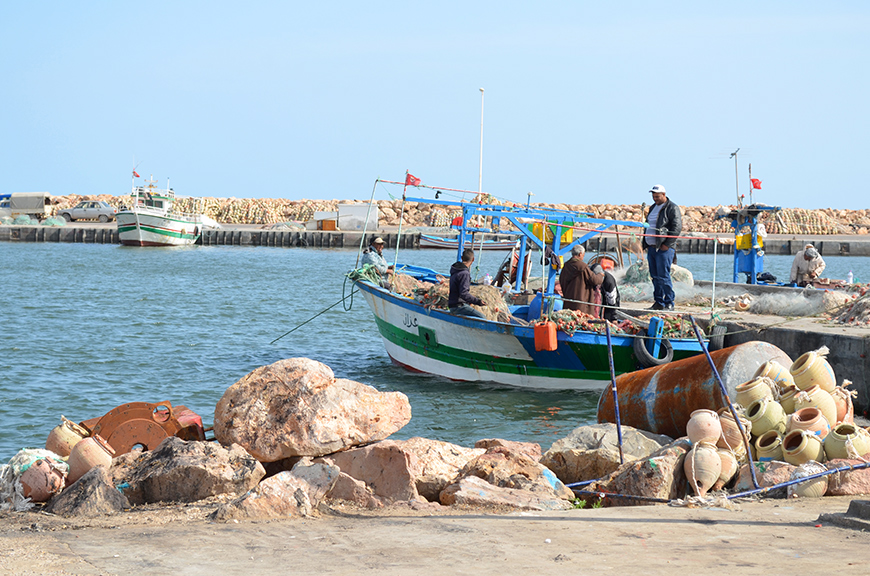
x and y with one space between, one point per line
90 452
817 398
811 488
729 468
847 441
704 426
812 369
730 438
810 419
41 481
766 415
64 436
702 467
843 402
786 397
768 446
800 446
756 389
776 372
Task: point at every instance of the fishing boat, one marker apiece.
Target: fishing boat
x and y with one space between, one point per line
153 220
522 347
430 241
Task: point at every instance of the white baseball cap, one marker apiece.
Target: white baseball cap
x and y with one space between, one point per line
657 189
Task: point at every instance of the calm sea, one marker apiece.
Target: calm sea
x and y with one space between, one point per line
86 327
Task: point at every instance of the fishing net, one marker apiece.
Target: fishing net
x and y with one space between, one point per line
22 220
638 273
436 296
54 221
856 313
571 321
11 490
6 221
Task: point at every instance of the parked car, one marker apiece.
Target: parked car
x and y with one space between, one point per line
88 210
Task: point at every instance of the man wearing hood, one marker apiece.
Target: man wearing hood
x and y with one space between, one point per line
460 284
807 266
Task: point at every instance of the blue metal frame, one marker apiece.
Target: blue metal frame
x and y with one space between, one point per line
513 214
749 262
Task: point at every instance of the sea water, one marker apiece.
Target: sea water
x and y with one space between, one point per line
87 327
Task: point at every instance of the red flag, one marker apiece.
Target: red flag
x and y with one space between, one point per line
411 180
136 174
756 183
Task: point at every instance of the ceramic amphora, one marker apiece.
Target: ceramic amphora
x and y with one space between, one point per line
812 369
768 446
702 467
766 414
704 426
800 446
786 397
729 468
64 436
730 438
776 372
847 441
753 390
810 419
91 451
815 488
843 402
817 398
41 481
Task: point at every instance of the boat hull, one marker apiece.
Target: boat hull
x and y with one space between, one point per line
470 349
145 229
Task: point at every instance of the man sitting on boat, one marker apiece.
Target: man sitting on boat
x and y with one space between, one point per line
807 266
374 255
578 282
460 284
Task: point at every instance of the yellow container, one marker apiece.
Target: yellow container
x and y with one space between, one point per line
567 233
744 241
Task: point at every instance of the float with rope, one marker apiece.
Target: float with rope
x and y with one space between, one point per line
525 339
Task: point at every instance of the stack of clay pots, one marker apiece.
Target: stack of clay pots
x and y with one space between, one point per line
708 466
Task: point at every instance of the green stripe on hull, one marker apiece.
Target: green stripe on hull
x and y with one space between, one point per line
122 229
475 361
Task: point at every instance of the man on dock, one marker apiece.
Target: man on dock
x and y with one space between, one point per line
460 297
578 282
807 266
665 223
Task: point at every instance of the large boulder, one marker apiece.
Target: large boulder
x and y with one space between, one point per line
476 492
181 471
502 467
592 452
531 449
91 495
659 475
850 482
385 467
767 474
288 494
437 464
352 490
297 407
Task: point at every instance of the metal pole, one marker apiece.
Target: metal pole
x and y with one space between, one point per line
727 399
736 178
750 185
613 388
480 171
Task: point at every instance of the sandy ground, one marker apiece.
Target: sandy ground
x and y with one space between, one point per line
764 537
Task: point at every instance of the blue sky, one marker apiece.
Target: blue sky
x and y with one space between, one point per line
585 102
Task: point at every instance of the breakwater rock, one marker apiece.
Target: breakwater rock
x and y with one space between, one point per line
695 218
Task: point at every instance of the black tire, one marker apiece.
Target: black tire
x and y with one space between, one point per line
67 217
103 218
646 359
717 338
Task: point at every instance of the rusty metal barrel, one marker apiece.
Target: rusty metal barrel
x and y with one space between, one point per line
662 398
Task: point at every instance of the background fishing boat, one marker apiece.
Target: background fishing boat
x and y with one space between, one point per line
152 219
431 241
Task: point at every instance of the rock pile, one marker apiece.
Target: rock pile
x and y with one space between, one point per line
695 218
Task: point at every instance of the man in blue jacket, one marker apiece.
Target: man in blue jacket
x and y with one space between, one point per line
460 283
665 223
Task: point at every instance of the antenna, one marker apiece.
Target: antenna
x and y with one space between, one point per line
736 178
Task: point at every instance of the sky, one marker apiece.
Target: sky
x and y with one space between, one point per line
584 102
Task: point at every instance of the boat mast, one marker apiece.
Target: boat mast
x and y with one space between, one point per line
480 171
737 178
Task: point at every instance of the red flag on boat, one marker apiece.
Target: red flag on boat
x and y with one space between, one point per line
756 183
136 174
411 180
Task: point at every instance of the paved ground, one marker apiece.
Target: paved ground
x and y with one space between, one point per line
768 537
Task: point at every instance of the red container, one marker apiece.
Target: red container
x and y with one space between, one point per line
545 336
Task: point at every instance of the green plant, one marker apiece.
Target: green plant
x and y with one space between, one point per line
578 504
598 504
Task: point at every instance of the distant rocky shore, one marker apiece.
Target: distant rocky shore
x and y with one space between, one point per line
695 218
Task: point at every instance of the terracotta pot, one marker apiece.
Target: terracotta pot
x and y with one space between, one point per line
90 452
702 467
812 369
729 468
776 372
756 389
704 426
64 436
843 402
810 419
786 397
730 438
847 441
811 488
800 446
817 398
768 446
41 481
766 415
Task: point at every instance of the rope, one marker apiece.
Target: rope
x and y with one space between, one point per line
315 316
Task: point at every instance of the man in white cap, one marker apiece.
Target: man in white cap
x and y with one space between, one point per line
374 255
807 266
665 224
